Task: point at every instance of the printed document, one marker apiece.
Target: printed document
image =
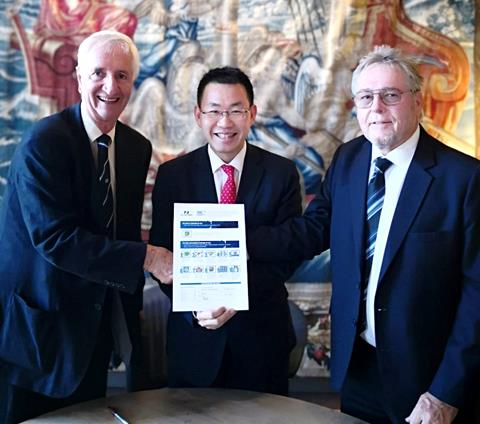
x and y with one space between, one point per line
209 257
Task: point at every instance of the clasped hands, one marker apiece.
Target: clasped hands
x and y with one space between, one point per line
159 262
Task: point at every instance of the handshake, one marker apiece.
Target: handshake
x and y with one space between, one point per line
159 262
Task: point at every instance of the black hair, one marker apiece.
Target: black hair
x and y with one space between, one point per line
225 75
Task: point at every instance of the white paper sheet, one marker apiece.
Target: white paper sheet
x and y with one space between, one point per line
209 257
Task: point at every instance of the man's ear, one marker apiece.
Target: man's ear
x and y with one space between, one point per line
253 113
419 103
198 115
79 80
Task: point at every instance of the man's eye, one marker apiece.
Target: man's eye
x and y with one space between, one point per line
236 112
213 113
96 75
391 95
123 76
365 96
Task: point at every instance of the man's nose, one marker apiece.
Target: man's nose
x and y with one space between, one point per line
224 119
377 103
109 83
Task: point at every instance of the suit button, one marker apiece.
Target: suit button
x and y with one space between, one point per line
98 306
354 322
359 286
381 309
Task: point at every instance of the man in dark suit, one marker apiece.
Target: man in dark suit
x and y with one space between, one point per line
71 257
405 322
222 347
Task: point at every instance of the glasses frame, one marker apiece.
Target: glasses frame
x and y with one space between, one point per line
381 92
216 115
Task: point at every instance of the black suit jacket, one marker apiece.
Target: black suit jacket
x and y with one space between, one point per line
55 266
427 315
270 191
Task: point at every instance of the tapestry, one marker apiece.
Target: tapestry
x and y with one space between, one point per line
299 55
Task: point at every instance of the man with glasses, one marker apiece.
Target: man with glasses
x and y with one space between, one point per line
400 212
222 347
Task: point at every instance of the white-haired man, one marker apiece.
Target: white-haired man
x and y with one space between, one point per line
399 211
71 256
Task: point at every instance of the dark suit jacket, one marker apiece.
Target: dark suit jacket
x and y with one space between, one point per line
55 267
261 337
427 311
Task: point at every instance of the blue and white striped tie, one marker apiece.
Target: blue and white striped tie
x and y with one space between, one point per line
104 182
121 339
375 197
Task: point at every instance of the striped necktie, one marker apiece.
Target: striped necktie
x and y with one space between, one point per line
104 183
229 191
375 197
121 339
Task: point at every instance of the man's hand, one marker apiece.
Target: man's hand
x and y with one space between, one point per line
215 318
158 261
430 410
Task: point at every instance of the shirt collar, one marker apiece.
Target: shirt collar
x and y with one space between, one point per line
402 154
236 162
92 130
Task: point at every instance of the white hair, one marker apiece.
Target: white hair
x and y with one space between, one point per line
108 37
386 55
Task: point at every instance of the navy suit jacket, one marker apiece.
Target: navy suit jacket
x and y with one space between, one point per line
270 190
55 266
427 313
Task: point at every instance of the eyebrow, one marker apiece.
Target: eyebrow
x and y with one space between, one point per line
213 104
117 71
377 89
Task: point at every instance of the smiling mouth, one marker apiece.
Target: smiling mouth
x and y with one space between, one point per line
108 100
225 136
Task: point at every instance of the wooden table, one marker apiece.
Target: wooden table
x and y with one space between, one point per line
197 406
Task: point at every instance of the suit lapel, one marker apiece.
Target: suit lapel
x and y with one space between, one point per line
84 147
82 151
201 177
84 164
415 187
124 163
357 184
252 174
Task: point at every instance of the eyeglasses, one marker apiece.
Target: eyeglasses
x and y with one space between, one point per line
235 114
388 96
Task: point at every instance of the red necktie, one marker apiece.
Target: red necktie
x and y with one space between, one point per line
229 191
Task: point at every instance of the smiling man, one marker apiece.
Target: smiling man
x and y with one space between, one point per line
222 347
399 211
71 256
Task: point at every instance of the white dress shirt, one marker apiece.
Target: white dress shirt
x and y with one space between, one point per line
401 157
93 133
219 175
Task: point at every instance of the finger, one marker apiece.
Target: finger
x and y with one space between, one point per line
219 321
216 313
162 277
210 314
203 316
414 417
167 280
210 324
229 313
